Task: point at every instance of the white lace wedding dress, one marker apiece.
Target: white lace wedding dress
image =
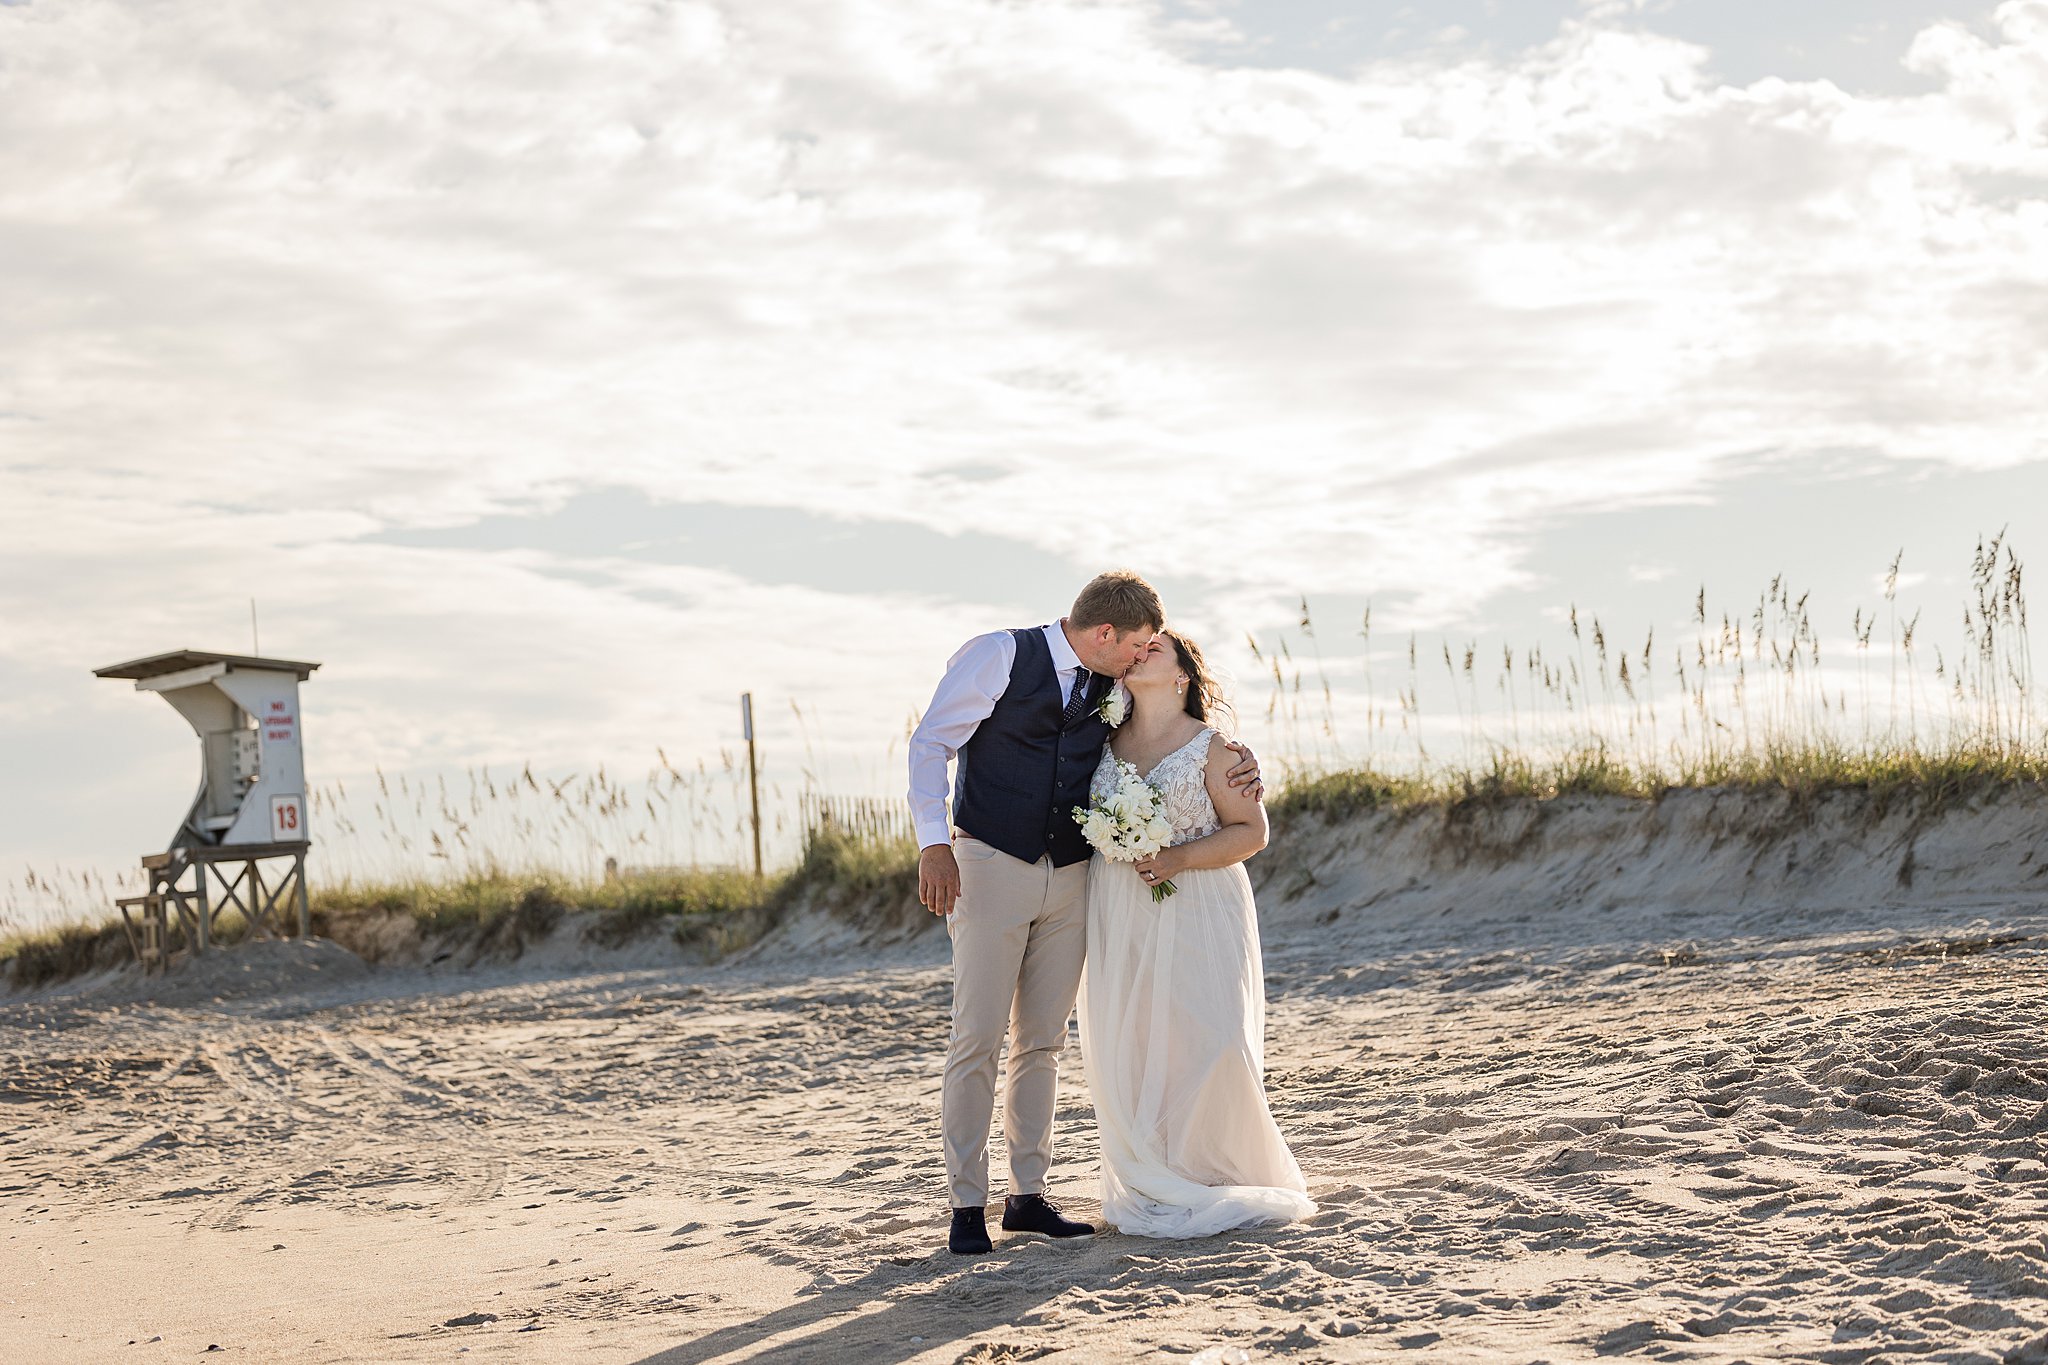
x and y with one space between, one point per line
1173 1010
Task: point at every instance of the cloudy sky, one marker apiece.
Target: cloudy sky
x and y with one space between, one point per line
553 373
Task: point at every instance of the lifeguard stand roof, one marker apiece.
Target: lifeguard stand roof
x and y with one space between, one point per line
156 665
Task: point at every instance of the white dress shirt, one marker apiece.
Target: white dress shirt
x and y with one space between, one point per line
976 676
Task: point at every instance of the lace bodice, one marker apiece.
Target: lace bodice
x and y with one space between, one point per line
1179 777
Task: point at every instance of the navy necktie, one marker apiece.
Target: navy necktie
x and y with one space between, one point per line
1082 677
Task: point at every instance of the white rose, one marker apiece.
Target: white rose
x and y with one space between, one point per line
1115 706
1098 829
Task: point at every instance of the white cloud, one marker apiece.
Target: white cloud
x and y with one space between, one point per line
283 276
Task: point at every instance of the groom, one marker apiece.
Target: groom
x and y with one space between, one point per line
1009 871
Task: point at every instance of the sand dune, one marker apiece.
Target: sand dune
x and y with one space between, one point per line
1599 1081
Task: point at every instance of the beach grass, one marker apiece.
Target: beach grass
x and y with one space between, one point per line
59 952
1751 697
719 909
484 899
1928 779
1754 698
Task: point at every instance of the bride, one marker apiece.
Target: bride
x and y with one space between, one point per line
1173 1002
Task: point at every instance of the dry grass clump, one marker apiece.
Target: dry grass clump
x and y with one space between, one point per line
55 954
1934 778
482 899
846 865
37 957
498 914
1587 772
686 903
512 908
1931 781
1348 791
1757 698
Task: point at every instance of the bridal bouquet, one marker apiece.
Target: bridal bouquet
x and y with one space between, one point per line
1129 824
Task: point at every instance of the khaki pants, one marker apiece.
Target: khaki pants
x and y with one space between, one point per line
1019 934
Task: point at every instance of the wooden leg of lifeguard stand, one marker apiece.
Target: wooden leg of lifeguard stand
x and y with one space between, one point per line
133 931
262 902
154 934
205 911
143 918
179 901
299 870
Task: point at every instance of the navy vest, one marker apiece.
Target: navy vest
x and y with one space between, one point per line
1021 774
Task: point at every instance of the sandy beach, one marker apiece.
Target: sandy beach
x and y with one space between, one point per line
519 522
1568 1084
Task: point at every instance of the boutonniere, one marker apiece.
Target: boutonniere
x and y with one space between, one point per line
1114 706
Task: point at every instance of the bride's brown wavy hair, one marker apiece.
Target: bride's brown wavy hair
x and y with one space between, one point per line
1204 700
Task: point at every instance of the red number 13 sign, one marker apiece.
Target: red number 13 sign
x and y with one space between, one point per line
286 826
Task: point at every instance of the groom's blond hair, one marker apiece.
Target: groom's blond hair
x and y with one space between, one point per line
1118 598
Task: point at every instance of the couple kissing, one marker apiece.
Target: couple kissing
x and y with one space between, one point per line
1098 815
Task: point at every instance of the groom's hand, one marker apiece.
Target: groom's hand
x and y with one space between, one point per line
938 879
1246 773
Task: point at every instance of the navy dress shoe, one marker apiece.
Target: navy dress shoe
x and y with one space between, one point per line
969 1236
1036 1213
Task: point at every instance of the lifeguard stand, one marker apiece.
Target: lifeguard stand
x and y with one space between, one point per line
251 808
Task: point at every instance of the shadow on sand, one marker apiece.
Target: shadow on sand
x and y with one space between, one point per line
947 1300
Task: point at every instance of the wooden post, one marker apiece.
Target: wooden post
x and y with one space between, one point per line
205 910
753 772
299 866
261 899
